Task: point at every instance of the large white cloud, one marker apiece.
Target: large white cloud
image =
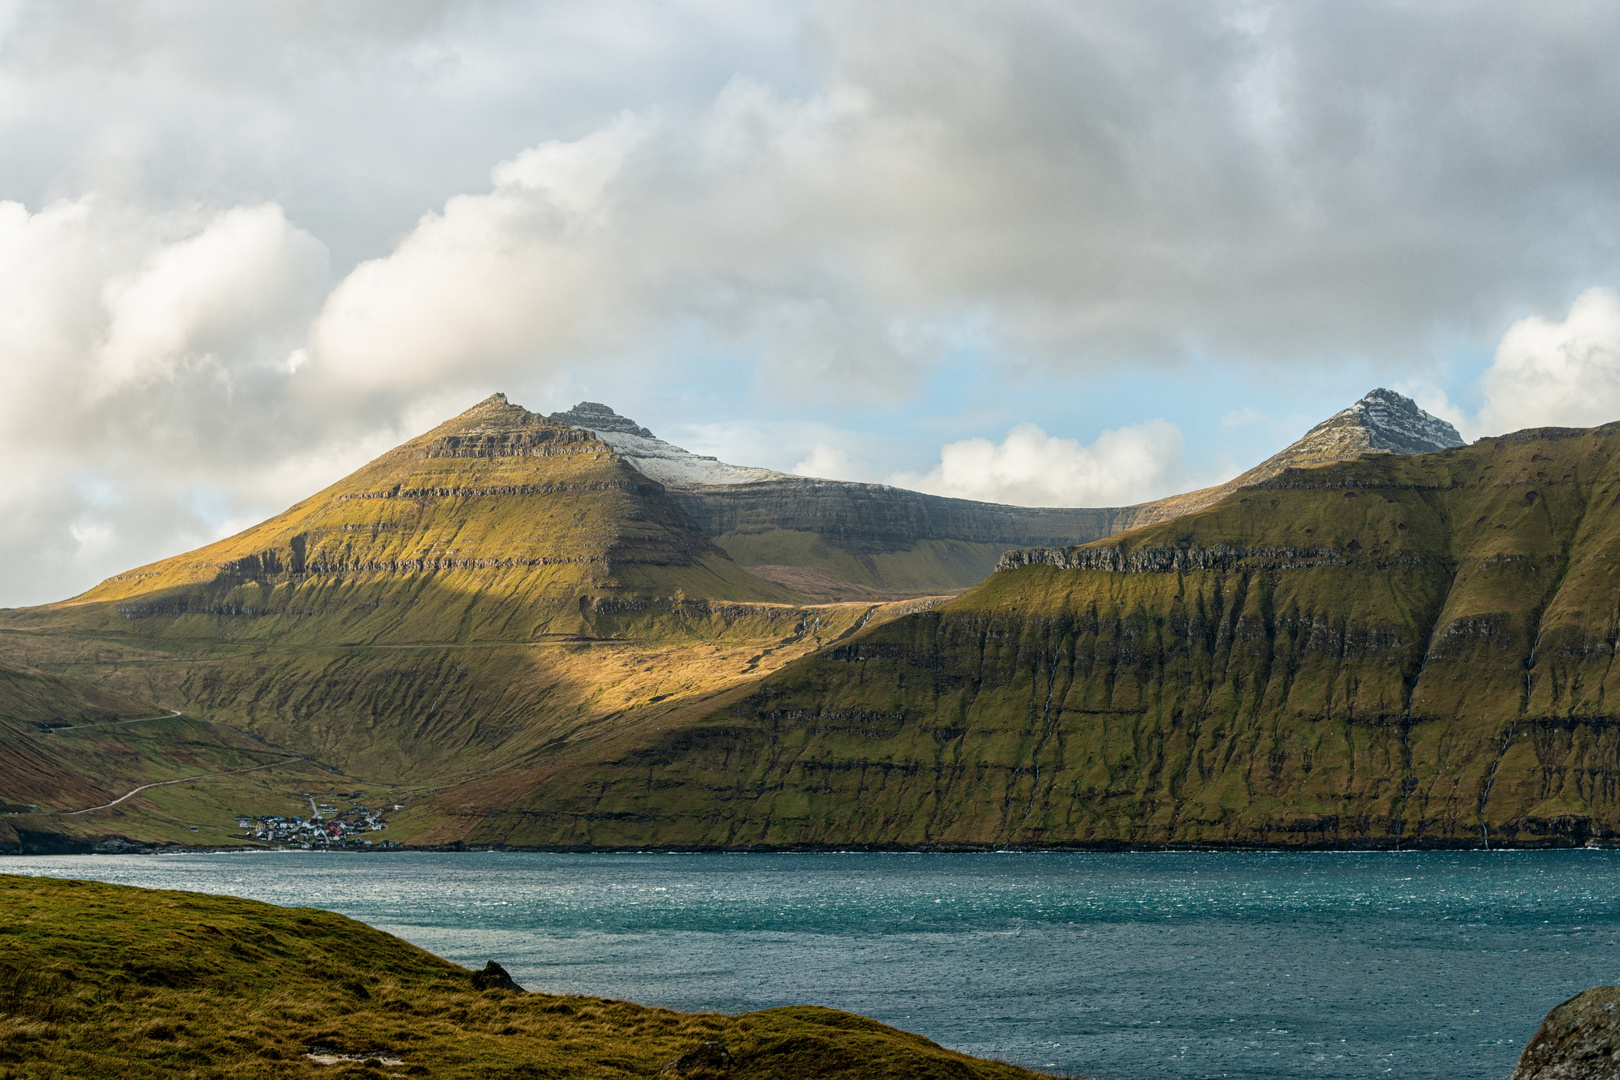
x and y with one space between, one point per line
143 378
1031 468
521 273
1548 373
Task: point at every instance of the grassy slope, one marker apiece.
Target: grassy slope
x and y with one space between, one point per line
928 567
66 744
1413 651
111 981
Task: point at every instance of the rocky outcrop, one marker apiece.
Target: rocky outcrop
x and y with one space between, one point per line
494 977
1579 1040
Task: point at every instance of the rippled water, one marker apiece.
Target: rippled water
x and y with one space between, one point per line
1420 964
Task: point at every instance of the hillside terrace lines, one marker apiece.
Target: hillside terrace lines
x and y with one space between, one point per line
1171 559
399 491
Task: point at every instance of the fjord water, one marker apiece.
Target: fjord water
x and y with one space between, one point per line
1422 964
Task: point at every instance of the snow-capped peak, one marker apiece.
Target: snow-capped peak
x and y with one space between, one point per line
665 462
1383 420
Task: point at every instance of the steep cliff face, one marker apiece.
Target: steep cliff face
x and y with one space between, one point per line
1389 652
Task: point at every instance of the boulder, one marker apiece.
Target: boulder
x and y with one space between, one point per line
1577 1041
494 977
705 1059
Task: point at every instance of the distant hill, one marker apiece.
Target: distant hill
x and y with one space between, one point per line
1387 652
837 540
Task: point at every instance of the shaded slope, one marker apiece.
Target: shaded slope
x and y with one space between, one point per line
1388 652
112 981
67 745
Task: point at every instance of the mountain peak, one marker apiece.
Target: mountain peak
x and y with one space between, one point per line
1395 423
594 416
494 415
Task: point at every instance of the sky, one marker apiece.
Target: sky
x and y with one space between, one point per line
1053 253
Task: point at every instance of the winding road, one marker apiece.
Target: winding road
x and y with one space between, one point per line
181 780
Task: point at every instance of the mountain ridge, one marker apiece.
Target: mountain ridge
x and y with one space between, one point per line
499 603
837 539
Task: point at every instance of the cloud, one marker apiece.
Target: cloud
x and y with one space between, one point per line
1557 373
238 253
240 291
517 274
143 361
1031 468
829 462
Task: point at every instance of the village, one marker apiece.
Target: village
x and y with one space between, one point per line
326 828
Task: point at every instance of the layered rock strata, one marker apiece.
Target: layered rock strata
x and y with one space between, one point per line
1385 653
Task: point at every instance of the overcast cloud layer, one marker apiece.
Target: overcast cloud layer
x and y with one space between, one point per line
1052 253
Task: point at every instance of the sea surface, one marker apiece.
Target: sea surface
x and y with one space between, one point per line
1421 964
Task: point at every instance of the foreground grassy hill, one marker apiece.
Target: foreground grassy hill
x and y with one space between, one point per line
111 981
1392 651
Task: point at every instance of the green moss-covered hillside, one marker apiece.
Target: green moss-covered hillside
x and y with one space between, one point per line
1392 651
106 981
115 982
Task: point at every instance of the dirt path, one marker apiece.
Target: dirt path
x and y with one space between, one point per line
113 723
182 780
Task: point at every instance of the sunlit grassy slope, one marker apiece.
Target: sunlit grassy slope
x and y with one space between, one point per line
1387 652
110 981
496 525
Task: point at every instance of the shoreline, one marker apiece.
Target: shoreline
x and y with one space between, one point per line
124 846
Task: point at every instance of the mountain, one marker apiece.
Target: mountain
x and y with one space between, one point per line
490 597
832 539
1387 652
1383 422
496 524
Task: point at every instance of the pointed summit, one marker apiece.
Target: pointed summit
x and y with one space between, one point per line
494 525
1382 422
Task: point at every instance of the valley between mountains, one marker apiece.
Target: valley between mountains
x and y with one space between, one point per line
563 632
